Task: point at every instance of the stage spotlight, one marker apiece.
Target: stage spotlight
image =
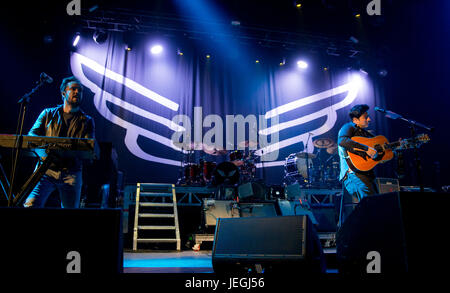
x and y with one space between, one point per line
100 37
157 49
298 3
356 81
76 39
48 39
382 72
357 15
354 40
208 56
257 61
179 53
302 64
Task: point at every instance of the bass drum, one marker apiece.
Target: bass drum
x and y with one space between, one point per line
226 173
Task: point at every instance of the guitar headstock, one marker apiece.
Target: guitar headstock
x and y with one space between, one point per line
424 138
410 143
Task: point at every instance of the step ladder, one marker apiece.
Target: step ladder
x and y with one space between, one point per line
155 201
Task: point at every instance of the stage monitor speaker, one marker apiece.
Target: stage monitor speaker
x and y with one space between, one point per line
45 241
386 185
395 233
252 191
286 244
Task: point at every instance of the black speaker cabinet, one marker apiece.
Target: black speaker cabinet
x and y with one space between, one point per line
270 244
404 229
47 241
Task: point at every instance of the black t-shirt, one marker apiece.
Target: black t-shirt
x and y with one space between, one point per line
67 118
66 163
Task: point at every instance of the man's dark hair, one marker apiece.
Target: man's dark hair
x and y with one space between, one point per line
68 80
357 110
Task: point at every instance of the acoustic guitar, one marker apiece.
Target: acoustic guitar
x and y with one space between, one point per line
385 150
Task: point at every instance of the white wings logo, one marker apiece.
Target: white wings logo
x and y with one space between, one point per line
101 97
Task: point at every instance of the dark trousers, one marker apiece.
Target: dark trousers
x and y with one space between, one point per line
355 187
68 185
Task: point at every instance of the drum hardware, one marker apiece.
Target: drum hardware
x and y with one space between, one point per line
314 170
237 158
332 150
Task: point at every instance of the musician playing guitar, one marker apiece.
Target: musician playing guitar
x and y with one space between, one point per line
66 120
356 184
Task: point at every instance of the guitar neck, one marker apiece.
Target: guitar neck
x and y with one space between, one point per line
392 145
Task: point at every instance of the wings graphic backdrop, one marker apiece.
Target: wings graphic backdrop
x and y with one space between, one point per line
134 95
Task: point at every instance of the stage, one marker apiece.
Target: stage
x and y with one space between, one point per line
202 138
190 262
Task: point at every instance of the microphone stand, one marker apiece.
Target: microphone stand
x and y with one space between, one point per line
412 126
23 101
307 160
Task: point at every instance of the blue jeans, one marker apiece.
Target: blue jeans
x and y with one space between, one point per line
68 185
355 187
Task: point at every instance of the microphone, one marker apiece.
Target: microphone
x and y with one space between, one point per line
380 110
388 114
46 78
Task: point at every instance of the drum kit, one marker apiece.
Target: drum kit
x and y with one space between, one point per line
311 170
314 170
237 166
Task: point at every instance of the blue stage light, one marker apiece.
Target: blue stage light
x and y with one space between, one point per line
156 49
76 39
302 64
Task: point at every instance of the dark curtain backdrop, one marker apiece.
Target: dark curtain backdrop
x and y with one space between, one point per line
134 95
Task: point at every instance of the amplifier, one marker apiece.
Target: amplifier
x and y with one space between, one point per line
214 209
386 185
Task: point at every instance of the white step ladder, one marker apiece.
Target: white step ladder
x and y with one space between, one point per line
155 201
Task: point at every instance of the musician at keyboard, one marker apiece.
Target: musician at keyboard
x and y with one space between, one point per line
66 120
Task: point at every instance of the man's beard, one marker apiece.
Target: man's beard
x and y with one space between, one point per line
74 103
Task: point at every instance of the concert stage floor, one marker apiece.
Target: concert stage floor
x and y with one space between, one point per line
168 262
178 262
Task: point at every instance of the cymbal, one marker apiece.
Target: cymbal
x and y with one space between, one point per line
306 155
193 146
214 151
323 143
247 143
